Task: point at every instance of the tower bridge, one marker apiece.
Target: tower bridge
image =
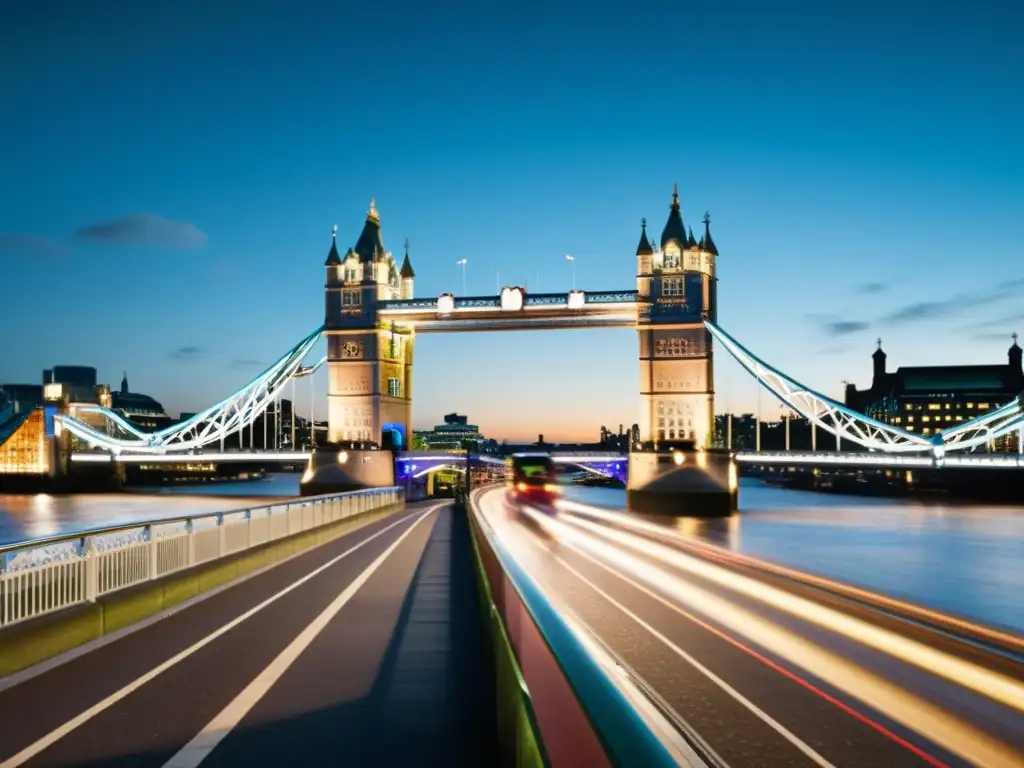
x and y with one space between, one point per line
372 317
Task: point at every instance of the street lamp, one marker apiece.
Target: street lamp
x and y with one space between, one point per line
572 263
462 263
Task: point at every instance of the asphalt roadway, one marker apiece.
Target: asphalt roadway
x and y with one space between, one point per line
366 651
765 669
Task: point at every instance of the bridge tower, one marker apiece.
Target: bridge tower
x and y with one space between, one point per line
677 289
369 364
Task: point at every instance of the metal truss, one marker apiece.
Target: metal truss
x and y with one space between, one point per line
979 431
210 426
822 411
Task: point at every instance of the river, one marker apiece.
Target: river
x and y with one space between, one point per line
966 560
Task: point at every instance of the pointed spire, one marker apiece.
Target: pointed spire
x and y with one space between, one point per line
706 243
690 241
406 264
878 351
674 229
333 259
644 248
370 245
124 383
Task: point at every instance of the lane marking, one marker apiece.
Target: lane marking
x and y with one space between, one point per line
200 747
994 685
774 724
60 732
935 724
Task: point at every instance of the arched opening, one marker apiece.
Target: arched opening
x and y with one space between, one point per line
392 437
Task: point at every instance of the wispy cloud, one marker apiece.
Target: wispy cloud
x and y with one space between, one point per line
187 353
245 363
867 288
954 305
835 326
147 230
992 336
31 246
1004 321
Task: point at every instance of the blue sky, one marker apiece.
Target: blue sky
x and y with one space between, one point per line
171 174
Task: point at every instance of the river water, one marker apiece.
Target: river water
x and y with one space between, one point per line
966 560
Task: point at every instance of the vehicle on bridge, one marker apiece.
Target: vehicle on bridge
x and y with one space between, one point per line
530 478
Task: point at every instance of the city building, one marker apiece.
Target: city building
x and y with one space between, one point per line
20 398
74 383
140 409
928 399
451 434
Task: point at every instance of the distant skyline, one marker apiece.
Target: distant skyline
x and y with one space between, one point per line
177 170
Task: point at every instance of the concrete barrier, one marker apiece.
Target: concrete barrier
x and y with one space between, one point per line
27 644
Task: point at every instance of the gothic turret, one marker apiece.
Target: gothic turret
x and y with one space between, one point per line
333 259
407 275
706 243
1014 356
644 247
674 230
879 366
370 245
124 383
691 242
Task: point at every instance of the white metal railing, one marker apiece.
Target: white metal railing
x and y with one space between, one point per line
47 575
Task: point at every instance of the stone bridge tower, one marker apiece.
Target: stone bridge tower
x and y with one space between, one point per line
677 289
369 364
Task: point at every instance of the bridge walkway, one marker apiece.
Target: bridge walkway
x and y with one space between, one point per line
365 651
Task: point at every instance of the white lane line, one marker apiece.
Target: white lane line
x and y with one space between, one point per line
197 750
58 733
774 724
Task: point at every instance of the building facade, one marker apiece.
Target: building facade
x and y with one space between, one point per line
369 364
928 399
677 290
451 434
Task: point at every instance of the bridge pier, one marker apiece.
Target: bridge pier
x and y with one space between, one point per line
340 468
682 481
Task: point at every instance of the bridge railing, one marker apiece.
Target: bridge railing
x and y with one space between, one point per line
47 575
565 662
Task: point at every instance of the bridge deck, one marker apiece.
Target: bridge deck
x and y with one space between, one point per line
391 678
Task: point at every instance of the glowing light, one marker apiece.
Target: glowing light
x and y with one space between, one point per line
342 457
733 477
577 299
445 304
679 458
307 475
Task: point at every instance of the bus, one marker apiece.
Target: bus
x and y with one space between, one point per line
530 478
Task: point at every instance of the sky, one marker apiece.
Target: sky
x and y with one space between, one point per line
171 172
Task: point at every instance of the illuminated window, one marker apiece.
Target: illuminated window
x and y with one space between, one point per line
672 287
926 431
394 388
926 419
670 258
351 298
934 407
910 419
897 420
959 418
908 407
982 406
970 405
948 417
947 406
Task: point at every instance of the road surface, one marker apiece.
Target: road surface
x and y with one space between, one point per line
765 669
364 651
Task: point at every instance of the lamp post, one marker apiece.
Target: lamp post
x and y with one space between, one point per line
462 263
572 264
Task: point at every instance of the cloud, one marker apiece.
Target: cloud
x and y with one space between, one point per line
993 336
846 327
187 353
1006 321
33 246
871 288
930 310
834 326
245 363
927 310
148 230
